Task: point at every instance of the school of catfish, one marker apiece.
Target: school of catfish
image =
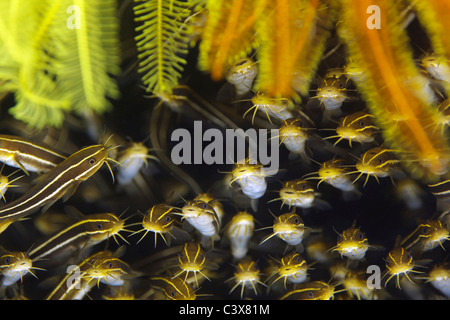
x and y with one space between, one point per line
90 213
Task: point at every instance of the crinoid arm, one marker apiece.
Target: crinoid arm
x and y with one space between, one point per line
162 41
228 35
393 86
289 57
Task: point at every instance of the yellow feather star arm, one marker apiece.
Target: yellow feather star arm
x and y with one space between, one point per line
86 56
162 41
52 68
395 91
229 34
38 102
291 39
435 18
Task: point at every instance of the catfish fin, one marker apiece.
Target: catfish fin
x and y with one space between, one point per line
20 165
70 190
48 205
254 204
41 178
74 212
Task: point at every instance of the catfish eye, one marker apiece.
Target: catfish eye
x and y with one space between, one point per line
110 265
92 161
310 295
7 260
204 205
296 220
360 236
299 259
362 123
168 219
99 226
